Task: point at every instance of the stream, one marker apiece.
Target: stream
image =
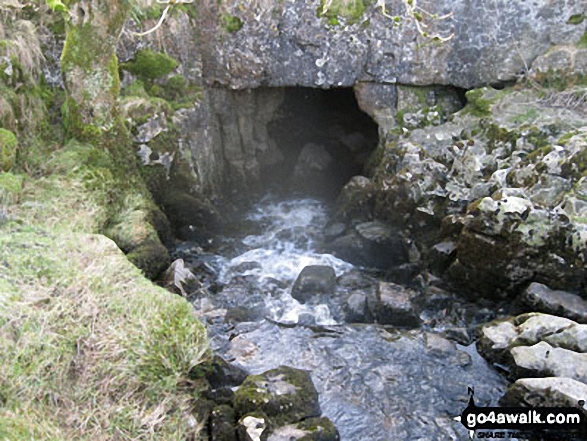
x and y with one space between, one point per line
375 382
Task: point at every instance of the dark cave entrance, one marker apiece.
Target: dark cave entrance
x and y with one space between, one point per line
322 138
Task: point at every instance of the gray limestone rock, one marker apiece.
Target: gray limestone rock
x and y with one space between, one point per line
539 297
546 392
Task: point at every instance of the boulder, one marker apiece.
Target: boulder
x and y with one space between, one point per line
371 244
397 306
314 279
286 395
538 297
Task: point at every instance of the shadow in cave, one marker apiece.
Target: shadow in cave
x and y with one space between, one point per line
323 139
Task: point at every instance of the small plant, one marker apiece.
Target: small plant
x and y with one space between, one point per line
231 23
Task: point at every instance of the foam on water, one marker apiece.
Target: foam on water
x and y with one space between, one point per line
286 244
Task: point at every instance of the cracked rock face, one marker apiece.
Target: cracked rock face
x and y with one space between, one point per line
287 43
504 180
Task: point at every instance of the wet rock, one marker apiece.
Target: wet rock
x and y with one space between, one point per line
546 392
240 314
543 360
223 424
311 429
242 349
403 274
246 266
440 346
355 280
371 244
334 230
314 279
356 200
538 297
459 335
192 218
221 374
286 395
397 306
356 308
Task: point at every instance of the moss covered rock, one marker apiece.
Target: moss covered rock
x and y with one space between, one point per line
286 395
8 145
149 65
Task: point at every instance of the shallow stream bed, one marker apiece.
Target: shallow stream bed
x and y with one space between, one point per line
375 382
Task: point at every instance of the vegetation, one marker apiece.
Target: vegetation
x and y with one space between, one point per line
350 10
8 145
90 349
149 65
231 23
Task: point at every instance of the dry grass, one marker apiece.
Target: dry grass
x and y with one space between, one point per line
25 47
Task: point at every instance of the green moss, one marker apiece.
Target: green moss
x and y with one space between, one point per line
561 80
563 140
299 402
350 10
582 43
321 429
530 115
539 153
477 104
149 65
576 19
231 23
8 146
135 89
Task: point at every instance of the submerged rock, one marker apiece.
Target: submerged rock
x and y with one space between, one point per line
314 279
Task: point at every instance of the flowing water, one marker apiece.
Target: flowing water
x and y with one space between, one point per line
375 382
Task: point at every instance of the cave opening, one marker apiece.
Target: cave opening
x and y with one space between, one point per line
322 139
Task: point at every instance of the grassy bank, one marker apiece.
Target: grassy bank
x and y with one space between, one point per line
89 348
